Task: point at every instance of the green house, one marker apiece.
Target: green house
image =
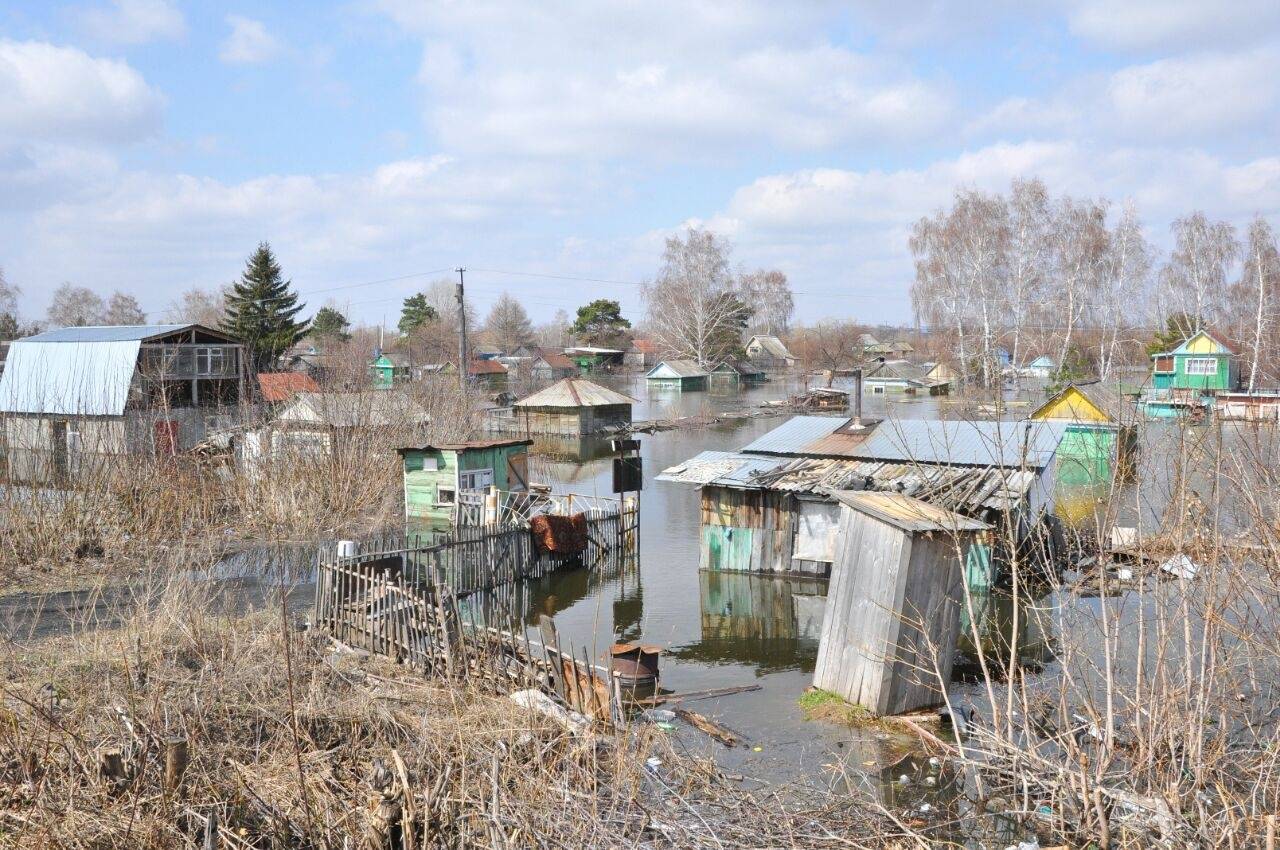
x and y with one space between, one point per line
438 478
1201 362
386 370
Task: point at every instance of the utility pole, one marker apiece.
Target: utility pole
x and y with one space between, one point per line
463 360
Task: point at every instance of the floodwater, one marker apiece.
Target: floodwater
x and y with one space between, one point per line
717 630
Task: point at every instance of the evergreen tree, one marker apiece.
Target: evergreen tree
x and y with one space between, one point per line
600 323
416 312
330 324
262 310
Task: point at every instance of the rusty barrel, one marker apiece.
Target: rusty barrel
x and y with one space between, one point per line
634 666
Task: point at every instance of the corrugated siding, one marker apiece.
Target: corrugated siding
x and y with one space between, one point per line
68 378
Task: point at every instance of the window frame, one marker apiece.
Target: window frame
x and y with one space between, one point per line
1212 363
471 475
441 490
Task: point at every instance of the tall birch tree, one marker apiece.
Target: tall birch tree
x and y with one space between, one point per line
689 305
1258 288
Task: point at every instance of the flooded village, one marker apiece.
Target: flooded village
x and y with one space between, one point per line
497 425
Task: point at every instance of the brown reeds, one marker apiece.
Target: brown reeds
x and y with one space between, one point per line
184 727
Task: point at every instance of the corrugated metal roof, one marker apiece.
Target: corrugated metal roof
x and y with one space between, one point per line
1001 443
907 513
962 488
574 392
961 442
794 435
105 333
678 369
68 378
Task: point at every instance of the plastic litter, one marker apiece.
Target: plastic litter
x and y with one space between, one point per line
757 749
665 726
658 715
1181 566
653 762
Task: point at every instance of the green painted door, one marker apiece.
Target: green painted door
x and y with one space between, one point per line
728 548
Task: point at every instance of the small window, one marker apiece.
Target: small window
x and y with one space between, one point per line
445 496
1164 364
475 479
1202 366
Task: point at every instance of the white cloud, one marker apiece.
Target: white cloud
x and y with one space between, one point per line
1173 24
134 21
663 79
1202 98
249 42
62 94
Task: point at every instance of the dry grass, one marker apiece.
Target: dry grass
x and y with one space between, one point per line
292 745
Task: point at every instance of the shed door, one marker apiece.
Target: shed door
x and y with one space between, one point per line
518 472
727 548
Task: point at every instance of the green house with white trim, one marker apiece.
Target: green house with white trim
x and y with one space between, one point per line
1201 362
438 478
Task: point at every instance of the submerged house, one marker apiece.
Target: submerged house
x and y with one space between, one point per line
641 354
572 407
439 479
902 376
677 374
1101 431
769 352
551 366
592 358
73 396
1040 367
734 373
768 507
1186 379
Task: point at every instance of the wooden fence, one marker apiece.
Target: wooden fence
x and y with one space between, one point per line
426 628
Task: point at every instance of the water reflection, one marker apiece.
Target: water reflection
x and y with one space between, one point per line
773 623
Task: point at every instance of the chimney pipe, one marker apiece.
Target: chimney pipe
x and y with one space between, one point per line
857 397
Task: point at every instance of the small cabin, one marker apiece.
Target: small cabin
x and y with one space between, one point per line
387 369
438 478
572 407
642 354
902 376
1201 362
1041 367
487 373
769 352
552 366
678 374
735 373
1100 431
894 604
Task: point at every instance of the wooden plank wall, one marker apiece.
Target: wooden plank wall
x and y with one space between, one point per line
893 612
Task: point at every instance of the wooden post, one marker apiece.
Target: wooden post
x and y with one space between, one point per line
175 763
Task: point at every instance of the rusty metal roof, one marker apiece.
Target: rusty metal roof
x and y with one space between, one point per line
469 444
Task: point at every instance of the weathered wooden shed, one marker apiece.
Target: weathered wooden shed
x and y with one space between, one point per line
436 477
894 601
572 407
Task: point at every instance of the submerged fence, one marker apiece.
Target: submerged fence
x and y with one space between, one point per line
472 558
425 627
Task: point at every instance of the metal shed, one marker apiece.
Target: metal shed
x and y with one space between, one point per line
894 601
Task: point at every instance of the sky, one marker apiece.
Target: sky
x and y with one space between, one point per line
552 147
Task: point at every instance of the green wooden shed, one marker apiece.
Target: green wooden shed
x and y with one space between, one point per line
438 478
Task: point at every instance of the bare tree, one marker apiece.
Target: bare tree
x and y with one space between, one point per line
1079 241
961 265
555 333
1257 290
198 306
769 295
123 309
1195 277
693 307
828 345
508 324
75 306
1029 220
1123 284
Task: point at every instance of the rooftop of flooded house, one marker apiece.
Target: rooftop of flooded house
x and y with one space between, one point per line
465 445
952 464
575 392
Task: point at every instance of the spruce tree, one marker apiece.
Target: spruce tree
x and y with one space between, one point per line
328 323
261 310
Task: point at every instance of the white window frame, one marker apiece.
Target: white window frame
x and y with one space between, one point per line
206 355
446 496
475 479
1203 366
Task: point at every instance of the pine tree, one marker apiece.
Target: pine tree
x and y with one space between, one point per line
416 313
261 310
330 324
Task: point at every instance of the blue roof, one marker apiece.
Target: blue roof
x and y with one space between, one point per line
105 333
792 436
959 442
